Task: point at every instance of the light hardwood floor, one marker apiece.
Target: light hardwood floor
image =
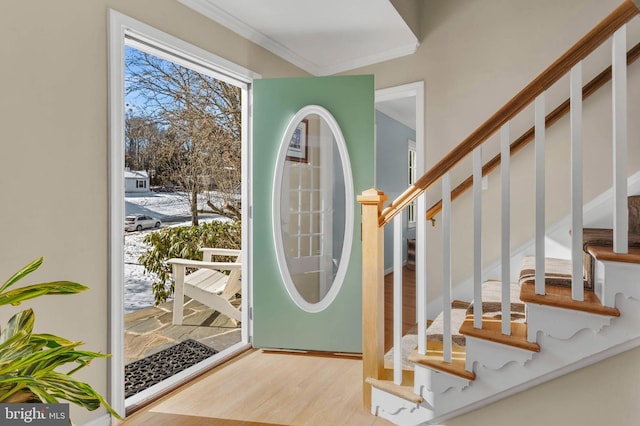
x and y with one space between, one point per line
267 388
279 389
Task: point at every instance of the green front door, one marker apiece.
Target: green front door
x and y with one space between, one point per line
278 322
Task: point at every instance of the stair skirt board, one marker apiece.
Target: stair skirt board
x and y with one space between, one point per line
568 340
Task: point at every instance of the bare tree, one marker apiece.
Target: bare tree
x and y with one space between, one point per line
201 118
142 136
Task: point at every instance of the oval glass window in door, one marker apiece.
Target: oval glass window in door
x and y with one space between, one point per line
313 208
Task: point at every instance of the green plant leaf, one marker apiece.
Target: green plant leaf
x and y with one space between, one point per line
43 394
57 385
22 273
49 340
22 321
18 295
17 346
10 385
43 361
15 338
66 387
29 362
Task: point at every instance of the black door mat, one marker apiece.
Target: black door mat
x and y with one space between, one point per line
146 372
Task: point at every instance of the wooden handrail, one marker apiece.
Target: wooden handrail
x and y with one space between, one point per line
563 109
587 44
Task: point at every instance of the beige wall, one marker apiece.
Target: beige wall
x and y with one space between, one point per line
53 165
606 393
475 55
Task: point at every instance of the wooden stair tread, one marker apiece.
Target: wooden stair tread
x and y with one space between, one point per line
434 359
606 253
492 330
405 392
560 297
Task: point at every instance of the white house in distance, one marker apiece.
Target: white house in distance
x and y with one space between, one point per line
136 181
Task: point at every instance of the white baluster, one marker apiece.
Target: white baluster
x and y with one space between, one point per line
540 192
505 160
577 284
421 273
446 266
477 237
397 299
619 99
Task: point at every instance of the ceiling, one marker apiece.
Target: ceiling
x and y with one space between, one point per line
402 110
322 37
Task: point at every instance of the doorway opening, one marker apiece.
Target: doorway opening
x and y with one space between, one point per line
400 160
399 149
179 173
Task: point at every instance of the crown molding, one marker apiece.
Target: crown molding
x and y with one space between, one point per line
231 22
364 61
225 19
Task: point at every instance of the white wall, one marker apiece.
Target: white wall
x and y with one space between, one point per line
475 55
53 111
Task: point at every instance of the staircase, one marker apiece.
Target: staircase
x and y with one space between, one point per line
559 336
562 315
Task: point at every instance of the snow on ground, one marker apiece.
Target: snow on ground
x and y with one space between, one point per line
163 205
137 283
169 207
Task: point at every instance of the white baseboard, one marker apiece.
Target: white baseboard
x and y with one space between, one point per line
103 420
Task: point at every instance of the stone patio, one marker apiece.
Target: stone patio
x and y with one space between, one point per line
150 330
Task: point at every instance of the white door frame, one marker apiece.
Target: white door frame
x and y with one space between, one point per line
125 30
410 90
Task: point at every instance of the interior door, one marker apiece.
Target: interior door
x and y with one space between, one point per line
278 321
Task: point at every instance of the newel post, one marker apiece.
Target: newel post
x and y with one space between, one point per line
372 201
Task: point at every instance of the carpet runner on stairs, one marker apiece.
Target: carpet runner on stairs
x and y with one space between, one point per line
461 312
434 332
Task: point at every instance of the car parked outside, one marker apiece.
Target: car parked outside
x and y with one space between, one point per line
139 222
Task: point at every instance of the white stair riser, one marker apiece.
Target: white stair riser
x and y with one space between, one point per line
429 383
560 323
398 410
493 355
612 278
